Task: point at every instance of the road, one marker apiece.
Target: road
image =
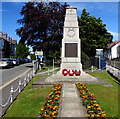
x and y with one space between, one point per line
11 73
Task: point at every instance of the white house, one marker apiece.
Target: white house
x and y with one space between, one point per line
114 50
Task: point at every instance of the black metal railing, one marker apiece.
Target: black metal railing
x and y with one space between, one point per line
114 63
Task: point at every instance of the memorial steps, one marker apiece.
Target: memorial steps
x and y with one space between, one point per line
59 77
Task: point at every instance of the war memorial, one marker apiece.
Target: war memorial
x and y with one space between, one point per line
71 67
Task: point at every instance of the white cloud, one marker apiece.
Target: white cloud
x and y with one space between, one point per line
114 33
116 36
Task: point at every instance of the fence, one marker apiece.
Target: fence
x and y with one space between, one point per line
114 63
13 92
36 66
114 71
96 62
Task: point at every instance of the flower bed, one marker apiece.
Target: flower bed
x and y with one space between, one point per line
51 106
89 101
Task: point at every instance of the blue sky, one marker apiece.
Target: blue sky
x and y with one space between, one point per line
108 11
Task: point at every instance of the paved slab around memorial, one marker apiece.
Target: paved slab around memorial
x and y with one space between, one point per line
58 77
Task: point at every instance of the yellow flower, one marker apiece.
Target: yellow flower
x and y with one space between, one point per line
55 106
104 115
42 108
54 112
49 100
97 115
88 107
92 115
90 111
102 112
88 115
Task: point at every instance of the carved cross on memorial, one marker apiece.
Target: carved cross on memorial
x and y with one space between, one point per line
71 44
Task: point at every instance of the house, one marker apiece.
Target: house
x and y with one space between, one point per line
113 50
7 46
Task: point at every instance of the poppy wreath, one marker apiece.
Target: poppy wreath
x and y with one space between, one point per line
89 101
51 106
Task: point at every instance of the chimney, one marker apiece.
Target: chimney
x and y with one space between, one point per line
4 36
1 34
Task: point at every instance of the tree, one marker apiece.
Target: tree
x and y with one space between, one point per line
33 57
54 55
93 33
42 25
22 50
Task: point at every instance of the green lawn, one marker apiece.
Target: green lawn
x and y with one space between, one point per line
29 102
107 97
45 68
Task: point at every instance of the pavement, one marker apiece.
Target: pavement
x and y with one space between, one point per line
71 104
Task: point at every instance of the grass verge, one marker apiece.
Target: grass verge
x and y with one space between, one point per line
106 96
29 102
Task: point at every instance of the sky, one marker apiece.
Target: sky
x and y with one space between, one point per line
108 11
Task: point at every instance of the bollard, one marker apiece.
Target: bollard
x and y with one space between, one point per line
24 81
48 72
19 86
28 76
53 66
31 74
11 94
40 67
92 68
34 67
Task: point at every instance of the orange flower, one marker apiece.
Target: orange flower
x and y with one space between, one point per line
104 115
45 102
99 109
47 115
45 110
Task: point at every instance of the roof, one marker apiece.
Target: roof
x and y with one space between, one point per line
14 41
71 7
112 44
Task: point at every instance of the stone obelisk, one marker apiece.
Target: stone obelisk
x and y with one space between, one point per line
71 43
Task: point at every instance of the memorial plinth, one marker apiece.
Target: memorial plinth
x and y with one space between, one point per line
71 44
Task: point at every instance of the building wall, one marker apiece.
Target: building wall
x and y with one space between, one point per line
7 48
118 50
115 53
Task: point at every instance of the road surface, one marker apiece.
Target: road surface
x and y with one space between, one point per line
9 74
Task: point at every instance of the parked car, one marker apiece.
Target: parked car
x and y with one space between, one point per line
26 60
18 60
6 62
22 60
15 61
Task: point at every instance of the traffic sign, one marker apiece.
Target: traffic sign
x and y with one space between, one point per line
40 56
39 53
